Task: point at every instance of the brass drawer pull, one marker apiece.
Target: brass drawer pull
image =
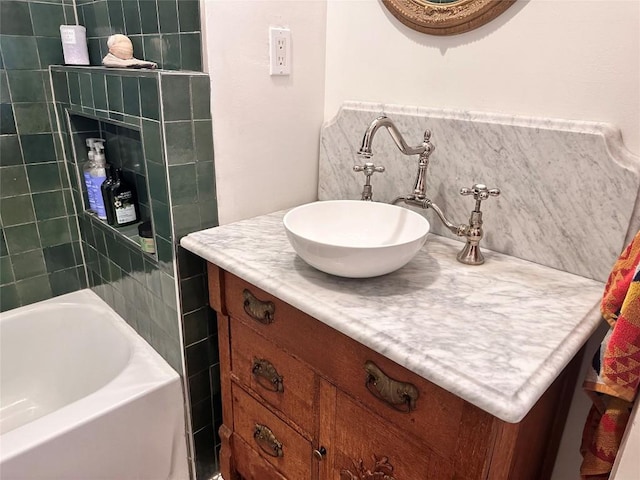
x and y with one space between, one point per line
267 441
266 375
261 311
400 395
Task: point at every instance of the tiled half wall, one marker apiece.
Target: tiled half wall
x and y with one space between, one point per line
158 128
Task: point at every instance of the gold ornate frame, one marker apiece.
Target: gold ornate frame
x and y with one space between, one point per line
448 18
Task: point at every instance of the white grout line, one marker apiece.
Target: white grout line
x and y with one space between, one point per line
75 12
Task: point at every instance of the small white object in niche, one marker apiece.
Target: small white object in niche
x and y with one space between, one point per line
74 44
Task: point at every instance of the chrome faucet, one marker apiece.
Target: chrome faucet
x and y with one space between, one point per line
473 232
384 121
423 150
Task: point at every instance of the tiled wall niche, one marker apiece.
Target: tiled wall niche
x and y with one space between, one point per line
123 147
162 119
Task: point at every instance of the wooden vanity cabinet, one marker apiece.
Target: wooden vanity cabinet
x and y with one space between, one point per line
303 401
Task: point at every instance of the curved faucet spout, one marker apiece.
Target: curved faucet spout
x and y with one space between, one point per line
459 230
384 121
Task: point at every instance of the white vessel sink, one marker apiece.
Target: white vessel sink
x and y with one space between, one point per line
355 239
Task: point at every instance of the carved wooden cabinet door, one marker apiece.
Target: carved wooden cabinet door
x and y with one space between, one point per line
362 446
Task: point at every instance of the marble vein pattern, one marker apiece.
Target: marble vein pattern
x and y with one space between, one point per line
569 189
496 335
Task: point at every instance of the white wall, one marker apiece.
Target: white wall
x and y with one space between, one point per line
571 59
266 130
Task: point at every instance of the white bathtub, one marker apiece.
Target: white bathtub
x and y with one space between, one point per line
83 397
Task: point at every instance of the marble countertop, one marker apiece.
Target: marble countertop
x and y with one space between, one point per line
496 335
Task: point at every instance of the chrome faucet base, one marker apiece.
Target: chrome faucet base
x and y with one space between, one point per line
470 255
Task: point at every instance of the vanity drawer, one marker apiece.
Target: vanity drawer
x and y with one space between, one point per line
277 443
436 415
277 378
250 464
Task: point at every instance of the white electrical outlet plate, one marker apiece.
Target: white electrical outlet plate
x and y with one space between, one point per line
279 51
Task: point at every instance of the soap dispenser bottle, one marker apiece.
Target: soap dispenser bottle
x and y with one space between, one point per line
98 176
125 202
86 174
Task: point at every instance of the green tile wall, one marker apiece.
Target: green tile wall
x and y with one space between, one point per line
37 217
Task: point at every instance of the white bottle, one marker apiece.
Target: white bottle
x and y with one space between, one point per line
74 44
98 176
86 173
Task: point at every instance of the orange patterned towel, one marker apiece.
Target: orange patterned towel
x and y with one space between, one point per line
613 382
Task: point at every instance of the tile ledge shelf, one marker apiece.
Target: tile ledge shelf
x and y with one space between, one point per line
128 72
103 116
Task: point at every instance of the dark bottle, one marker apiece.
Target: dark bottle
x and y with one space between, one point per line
125 203
107 197
145 232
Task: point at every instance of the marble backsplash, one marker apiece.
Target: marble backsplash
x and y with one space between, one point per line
569 190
